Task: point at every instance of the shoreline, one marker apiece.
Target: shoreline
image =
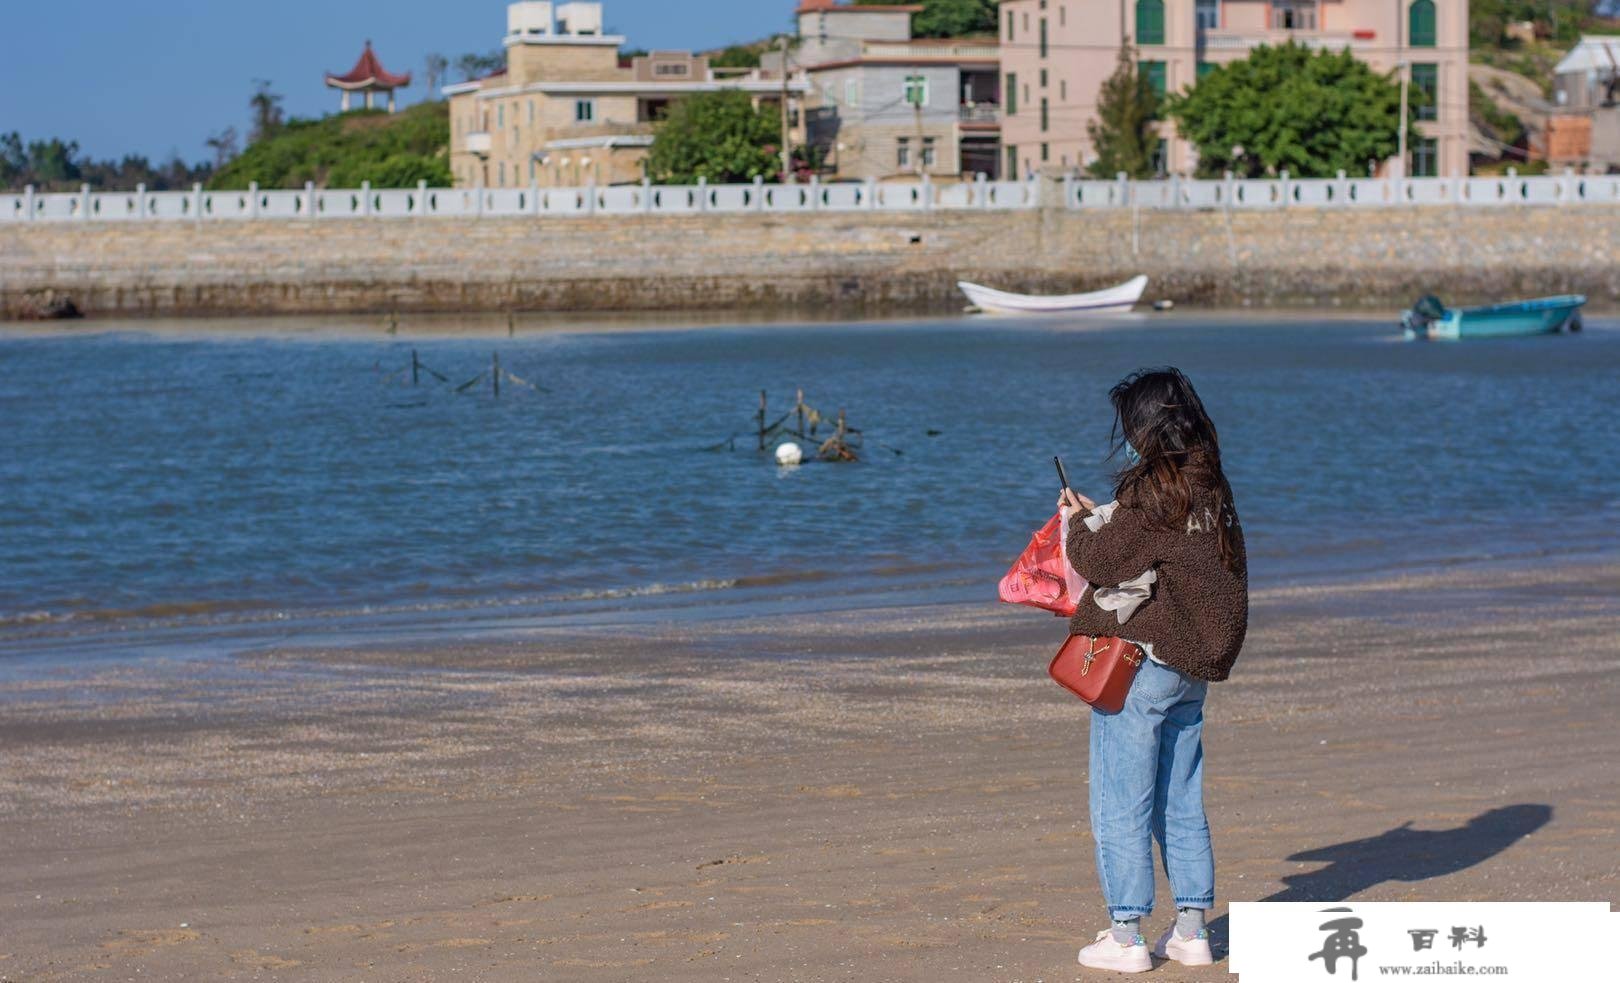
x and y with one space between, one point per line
864 263
894 794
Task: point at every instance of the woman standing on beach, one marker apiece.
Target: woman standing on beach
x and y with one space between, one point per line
1174 516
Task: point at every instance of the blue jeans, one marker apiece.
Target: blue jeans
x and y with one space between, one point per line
1147 783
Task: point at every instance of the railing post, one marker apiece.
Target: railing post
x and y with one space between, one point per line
1285 187
590 195
140 200
1567 191
478 200
1228 189
703 193
421 197
927 193
84 203
759 193
253 199
1123 184
365 197
871 194
1175 191
196 203
309 200
815 192
1341 190
646 194
1068 190
28 202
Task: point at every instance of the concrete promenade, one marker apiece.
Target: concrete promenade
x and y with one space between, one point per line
847 262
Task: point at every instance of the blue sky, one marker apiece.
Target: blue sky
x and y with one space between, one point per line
122 77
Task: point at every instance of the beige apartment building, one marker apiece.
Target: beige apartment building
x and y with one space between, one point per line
1055 55
883 104
567 110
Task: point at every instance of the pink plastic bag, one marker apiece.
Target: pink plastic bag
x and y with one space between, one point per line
1042 577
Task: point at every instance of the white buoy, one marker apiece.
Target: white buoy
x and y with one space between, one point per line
789 454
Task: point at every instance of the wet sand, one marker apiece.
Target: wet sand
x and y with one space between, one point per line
874 795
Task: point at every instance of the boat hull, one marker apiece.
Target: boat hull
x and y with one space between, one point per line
1115 300
1546 315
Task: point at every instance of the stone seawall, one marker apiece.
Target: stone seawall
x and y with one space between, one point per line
850 263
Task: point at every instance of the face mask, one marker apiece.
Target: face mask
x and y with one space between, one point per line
1132 455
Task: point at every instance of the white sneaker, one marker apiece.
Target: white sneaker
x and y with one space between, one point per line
1188 952
1105 953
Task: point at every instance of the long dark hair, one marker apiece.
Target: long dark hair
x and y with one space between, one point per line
1160 414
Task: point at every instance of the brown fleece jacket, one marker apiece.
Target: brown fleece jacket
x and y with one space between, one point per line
1199 611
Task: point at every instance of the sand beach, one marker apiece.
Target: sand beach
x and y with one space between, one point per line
881 794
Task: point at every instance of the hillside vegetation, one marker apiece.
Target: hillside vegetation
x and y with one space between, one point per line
341 151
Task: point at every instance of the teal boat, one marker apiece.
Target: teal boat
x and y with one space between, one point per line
1433 321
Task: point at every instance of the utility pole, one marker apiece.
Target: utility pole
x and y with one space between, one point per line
787 144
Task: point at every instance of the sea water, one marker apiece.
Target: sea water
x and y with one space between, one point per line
234 484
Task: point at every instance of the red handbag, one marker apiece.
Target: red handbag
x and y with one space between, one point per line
1098 669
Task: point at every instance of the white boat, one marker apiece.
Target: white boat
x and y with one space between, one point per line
1114 300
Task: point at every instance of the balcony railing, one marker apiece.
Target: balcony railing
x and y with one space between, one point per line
983 112
1230 41
479 143
944 50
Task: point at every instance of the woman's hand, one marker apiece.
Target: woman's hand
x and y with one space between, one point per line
1071 499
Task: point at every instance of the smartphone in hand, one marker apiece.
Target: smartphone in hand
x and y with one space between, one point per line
1063 476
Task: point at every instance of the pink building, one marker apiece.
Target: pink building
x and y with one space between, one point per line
1055 55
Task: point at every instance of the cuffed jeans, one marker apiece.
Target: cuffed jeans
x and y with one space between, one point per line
1147 783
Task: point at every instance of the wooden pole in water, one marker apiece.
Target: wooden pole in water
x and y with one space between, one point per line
762 419
800 410
495 373
416 367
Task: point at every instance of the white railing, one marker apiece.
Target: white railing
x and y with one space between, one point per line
1342 192
422 201
314 204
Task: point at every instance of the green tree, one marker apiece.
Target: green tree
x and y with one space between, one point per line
341 150
1125 135
719 136
949 18
736 56
1289 108
266 107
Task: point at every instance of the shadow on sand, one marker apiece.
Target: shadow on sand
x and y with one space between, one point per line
1402 854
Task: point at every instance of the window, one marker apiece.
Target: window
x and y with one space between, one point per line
916 90
902 152
502 173
531 112
1043 37
928 152
1063 89
1153 71
1425 157
531 170
1421 30
1149 21
1208 13
1043 78
1009 25
500 116
1426 80
1063 15
852 92
584 110
670 68
1045 115
1012 93
1012 157
1293 15
1046 152
1204 68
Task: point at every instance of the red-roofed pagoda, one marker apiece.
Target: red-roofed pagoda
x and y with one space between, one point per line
368 76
